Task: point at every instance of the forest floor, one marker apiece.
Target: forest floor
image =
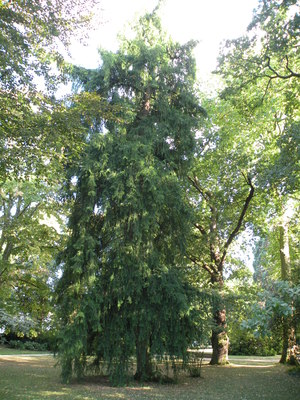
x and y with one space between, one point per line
28 377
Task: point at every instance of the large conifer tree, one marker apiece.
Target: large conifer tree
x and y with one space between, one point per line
123 292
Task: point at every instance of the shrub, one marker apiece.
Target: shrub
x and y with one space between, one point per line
28 345
245 343
3 340
16 344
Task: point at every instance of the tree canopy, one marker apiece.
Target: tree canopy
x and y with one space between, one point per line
36 132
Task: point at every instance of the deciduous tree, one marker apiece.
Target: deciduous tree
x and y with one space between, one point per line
36 134
261 72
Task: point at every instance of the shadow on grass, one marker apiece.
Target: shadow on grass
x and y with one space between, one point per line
37 379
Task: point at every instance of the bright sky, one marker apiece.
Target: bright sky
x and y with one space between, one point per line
208 21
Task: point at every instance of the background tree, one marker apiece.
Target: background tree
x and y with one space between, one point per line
123 291
35 34
36 134
261 72
221 190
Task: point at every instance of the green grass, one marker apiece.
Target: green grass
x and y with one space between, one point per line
35 378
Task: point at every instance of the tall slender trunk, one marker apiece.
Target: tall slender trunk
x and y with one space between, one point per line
288 331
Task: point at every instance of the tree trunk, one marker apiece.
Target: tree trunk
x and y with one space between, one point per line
288 331
218 249
219 339
284 252
285 341
144 370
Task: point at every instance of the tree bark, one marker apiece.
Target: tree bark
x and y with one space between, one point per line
144 370
285 341
219 339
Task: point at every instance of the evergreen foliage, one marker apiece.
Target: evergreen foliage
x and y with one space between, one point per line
123 291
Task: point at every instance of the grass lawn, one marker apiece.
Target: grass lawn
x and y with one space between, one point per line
35 378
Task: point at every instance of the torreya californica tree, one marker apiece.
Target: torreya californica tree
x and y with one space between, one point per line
123 292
